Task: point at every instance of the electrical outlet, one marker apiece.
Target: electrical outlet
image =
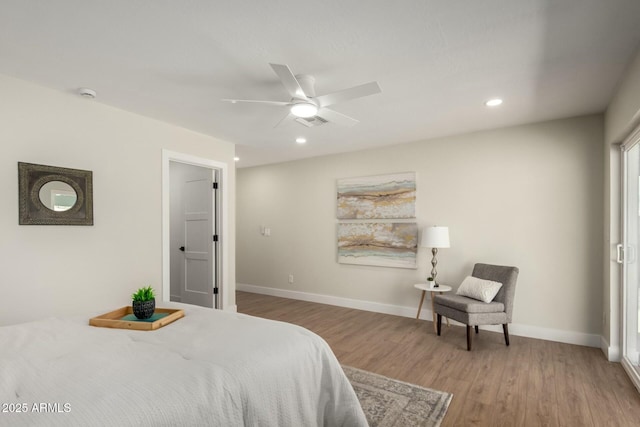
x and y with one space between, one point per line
290 278
267 232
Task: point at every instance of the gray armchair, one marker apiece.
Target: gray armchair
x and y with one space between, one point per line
472 312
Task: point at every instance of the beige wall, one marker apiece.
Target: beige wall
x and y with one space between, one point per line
62 270
529 196
623 112
622 115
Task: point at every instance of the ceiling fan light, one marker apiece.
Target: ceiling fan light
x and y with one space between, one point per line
304 109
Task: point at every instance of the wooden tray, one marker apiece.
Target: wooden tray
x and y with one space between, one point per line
114 319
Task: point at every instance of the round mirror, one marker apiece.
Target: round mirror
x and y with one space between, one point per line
58 196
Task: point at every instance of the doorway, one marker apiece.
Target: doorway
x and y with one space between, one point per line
193 205
192 229
628 256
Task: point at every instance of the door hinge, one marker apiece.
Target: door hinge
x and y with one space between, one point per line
215 291
215 237
215 185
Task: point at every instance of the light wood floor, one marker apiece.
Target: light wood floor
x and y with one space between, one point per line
530 383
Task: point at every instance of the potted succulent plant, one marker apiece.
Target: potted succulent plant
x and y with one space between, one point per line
144 302
431 282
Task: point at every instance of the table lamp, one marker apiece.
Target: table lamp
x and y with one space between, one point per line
435 237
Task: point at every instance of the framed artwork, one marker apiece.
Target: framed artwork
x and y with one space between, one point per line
390 196
388 244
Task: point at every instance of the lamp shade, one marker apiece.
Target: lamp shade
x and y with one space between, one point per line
435 237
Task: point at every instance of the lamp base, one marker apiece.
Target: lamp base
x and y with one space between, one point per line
434 262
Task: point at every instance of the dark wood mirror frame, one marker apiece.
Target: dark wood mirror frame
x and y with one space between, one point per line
32 177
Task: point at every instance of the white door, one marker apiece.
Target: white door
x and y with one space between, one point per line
628 253
193 257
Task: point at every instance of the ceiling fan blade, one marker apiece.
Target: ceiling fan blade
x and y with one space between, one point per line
284 119
366 89
233 101
337 118
289 81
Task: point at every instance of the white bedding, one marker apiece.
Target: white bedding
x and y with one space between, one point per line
208 368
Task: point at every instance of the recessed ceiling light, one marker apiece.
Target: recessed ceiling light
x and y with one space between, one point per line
304 109
235 159
301 140
493 102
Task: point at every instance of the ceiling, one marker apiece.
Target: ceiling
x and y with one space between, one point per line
436 62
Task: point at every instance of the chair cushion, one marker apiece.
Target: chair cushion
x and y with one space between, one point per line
480 289
468 305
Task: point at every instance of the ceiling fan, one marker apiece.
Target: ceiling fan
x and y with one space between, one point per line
308 109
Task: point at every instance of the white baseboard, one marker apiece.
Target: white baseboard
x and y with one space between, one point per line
339 301
611 352
232 308
569 337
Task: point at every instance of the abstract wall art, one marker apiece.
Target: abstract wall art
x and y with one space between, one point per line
377 197
389 244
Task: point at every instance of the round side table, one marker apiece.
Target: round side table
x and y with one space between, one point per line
424 287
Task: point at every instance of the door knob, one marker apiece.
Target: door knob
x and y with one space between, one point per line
182 248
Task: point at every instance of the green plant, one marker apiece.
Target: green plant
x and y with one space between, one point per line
144 294
430 279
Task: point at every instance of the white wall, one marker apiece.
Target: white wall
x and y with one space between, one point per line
529 196
622 115
62 270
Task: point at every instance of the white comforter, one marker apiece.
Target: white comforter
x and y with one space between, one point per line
208 368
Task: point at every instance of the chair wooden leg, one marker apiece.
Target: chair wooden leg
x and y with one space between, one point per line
469 338
439 323
477 329
505 328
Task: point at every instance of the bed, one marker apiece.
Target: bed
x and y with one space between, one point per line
208 368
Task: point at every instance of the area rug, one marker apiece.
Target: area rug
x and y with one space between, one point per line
387 402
